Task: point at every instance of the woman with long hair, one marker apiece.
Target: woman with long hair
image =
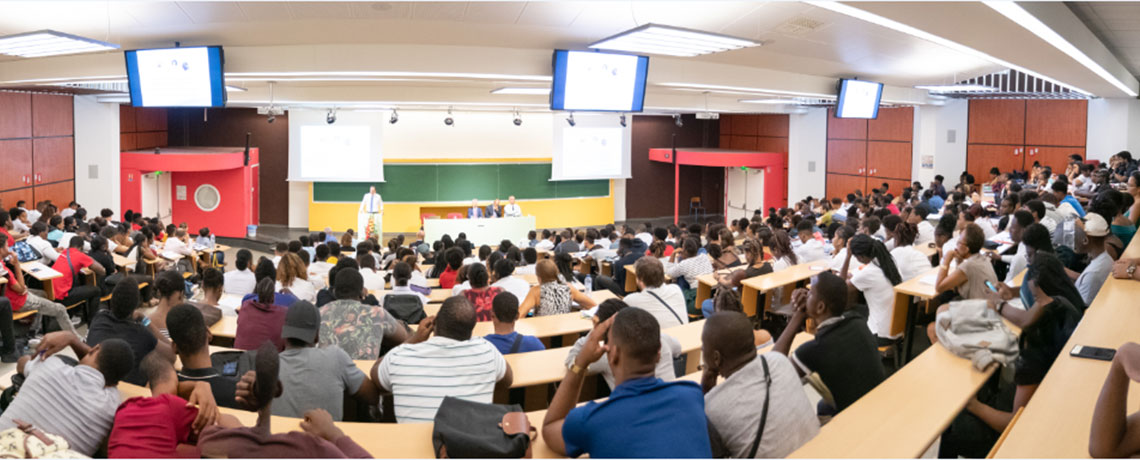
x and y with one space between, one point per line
875 278
911 262
292 275
551 296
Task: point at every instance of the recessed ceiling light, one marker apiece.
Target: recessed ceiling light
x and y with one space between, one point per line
671 41
530 91
50 43
1016 13
956 88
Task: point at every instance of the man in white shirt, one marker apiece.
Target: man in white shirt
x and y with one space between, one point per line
34 214
512 209
810 249
646 234
370 215
925 228
1092 278
547 242
241 280
665 302
179 245
69 210
503 270
1017 262
38 241
319 268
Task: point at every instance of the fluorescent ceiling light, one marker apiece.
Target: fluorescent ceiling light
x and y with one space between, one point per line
50 43
529 91
956 88
769 101
922 34
671 41
743 89
236 88
336 74
1016 13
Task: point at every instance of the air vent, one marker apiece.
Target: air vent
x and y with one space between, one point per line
1011 84
799 25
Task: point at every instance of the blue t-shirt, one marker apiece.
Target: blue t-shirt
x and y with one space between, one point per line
1075 204
504 341
657 420
279 298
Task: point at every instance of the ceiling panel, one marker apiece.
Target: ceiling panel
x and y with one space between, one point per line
320 10
556 14
494 12
439 11
264 12
207 12
159 14
1117 25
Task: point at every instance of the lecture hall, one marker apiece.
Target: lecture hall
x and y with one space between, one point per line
555 229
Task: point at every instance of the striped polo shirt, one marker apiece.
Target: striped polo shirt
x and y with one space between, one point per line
420 375
72 402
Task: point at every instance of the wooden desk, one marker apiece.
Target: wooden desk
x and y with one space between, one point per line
751 288
1056 421
43 273
431 283
631 278
706 283
902 416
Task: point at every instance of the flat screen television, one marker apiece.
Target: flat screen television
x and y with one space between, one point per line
858 99
177 77
590 81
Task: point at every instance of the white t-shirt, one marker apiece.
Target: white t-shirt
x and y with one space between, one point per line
811 251
1017 263
459 288
911 262
302 289
880 294
373 279
837 261
44 248
925 233
514 285
673 297
544 244
1093 277
239 282
646 237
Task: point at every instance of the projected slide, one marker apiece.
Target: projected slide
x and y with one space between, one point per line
859 99
335 151
175 77
599 81
591 152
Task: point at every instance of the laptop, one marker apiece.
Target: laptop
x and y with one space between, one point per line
25 252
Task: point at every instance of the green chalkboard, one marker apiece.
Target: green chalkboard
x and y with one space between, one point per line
462 182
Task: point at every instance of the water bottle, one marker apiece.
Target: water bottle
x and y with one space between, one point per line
589 282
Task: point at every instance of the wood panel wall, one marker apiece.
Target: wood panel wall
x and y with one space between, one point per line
1012 134
142 128
37 147
864 154
767 132
649 190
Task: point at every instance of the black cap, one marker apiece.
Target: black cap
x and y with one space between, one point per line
302 322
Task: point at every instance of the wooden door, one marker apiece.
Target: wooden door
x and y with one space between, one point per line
1062 123
997 121
15 115
60 193
1055 157
893 124
17 164
980 158
845 128
896 185
847 157
889 159
54 159
839 185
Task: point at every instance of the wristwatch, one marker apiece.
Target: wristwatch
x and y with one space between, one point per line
576 369
1131 270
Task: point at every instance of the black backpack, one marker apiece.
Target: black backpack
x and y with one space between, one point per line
408 308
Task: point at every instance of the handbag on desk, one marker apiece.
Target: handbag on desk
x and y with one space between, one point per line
465 429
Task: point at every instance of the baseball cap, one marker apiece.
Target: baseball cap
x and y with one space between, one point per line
1095 225
302 322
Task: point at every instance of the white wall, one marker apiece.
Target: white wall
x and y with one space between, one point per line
422 135
96 155
932 127
619 200
807 144
299 204
1113 125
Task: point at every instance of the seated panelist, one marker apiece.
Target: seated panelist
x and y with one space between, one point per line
494 210
474 212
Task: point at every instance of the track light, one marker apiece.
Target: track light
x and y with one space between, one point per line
449 121
331 117
677 120
271 118
518 118
621 120
394 118
570 120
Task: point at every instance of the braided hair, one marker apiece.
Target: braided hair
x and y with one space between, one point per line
863 245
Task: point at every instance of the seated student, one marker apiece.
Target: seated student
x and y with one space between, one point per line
502 279
664 301
163 425
839 247
142 254
125 321
670 348
19 297
423 370
872 226
910 261
212 286
810 249
241 281
875 278
529 258
317 377
640 417
1114 432
76 403
401 280
768 381
38 241
360 330
260 320
1045 328
320 265
292 277
70 262
925 228
505 339
321 437
844 352
373 278
973 269
552 296
755 266
454 259
481 293
189 339
1090 280
688 263
629 250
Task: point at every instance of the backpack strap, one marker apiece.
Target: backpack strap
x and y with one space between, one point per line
516 344
667 307
764 413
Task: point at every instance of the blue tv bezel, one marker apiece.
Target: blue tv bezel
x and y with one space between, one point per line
558 83
217 77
